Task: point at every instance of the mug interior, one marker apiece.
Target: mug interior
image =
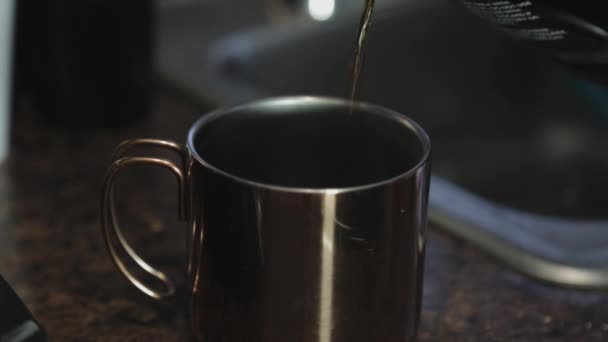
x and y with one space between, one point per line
310 143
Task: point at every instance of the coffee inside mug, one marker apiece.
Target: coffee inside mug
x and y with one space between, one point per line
309 145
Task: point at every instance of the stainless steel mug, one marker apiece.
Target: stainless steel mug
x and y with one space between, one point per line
307 221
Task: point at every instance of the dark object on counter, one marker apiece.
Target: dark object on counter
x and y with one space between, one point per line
16 321
573 31
87 63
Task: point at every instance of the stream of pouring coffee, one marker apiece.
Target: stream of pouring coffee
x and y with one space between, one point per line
366 21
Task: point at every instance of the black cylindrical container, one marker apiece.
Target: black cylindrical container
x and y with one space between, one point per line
88 63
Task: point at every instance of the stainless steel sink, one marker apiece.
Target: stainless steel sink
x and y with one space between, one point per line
520 146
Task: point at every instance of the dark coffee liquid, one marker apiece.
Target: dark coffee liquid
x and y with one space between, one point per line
364 26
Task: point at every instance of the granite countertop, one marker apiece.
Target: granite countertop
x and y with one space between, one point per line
52 253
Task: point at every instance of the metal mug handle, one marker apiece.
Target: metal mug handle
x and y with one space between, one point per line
109 221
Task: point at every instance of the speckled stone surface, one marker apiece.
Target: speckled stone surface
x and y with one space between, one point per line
52 253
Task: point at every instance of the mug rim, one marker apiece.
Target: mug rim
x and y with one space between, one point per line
420 133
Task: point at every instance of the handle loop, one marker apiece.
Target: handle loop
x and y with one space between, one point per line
109 221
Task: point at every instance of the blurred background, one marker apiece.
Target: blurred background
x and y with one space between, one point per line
519 140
